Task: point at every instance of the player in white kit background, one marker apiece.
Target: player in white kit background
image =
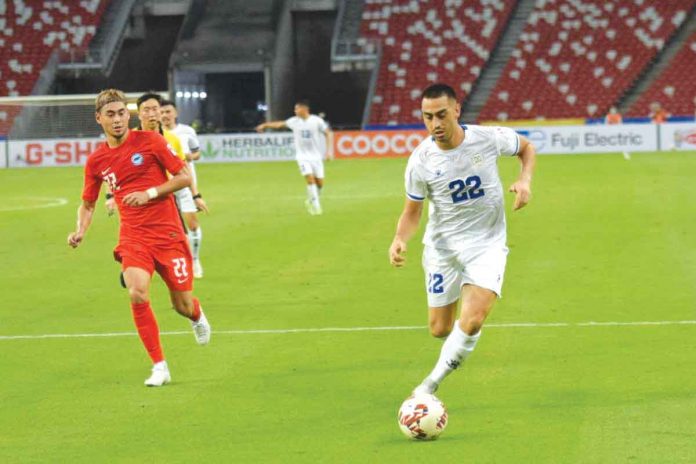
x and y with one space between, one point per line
189 203
312 144
465 239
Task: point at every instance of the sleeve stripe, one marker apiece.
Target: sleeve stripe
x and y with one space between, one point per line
517 144
415 197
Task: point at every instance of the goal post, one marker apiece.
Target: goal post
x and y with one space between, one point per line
53 116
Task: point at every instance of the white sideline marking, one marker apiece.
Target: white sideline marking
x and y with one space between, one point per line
505 325
47 203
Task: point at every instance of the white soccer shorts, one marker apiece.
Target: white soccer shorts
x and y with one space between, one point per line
311 168
184 199
446 271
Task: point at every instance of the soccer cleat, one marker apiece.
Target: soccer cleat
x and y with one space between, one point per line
197 269
309 206
201 329
427 386
316 209
160 375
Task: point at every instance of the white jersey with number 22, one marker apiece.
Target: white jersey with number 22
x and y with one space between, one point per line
467 209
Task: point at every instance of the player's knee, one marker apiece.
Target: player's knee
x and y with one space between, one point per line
440 329
138 294
473 324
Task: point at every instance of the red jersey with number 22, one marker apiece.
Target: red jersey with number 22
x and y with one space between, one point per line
139 163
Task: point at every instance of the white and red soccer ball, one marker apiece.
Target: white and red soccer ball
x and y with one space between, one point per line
422 417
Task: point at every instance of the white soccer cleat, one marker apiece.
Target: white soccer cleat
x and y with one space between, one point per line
316 209
160 375
427 386
197 269
309 207
201 330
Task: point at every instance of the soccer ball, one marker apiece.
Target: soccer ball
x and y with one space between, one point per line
422 417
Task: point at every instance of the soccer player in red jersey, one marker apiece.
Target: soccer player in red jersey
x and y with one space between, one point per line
134 164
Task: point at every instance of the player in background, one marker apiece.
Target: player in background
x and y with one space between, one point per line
310 149
465 240
134 164
189 204
613 116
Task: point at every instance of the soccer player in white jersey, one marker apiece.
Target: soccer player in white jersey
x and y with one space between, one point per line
189 204
310 149
465 240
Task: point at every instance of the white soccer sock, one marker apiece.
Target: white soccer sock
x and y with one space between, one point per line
195 237
455 350
313 193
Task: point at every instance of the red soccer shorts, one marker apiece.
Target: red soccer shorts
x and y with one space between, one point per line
173 262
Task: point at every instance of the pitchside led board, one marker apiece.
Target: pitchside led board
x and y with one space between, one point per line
3 153
50 152
678 136
279 146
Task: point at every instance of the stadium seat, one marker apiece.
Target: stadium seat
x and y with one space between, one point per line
577 58
675 87
30 31
425 42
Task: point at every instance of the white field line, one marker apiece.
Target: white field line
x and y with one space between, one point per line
508 325
45 203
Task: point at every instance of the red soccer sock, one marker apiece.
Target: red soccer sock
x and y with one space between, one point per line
146 324
196 314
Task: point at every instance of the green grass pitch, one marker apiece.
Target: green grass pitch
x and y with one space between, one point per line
604 239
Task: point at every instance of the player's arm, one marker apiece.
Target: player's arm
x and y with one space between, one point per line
522 187
180 180
193 156
85 212
405 228
329 144
194 146
271 125
197 197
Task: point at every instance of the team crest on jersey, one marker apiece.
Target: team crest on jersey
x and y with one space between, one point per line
477 159
136 159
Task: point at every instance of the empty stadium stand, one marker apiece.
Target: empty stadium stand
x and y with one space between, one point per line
423 42
675 88
31 31
576 58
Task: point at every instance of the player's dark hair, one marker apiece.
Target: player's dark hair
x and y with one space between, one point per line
303 102
167 103
438 90
149 96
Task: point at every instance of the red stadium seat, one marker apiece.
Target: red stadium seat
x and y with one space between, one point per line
576 58
31 31
675 88
427 42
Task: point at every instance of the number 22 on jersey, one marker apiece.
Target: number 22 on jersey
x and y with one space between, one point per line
469 189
